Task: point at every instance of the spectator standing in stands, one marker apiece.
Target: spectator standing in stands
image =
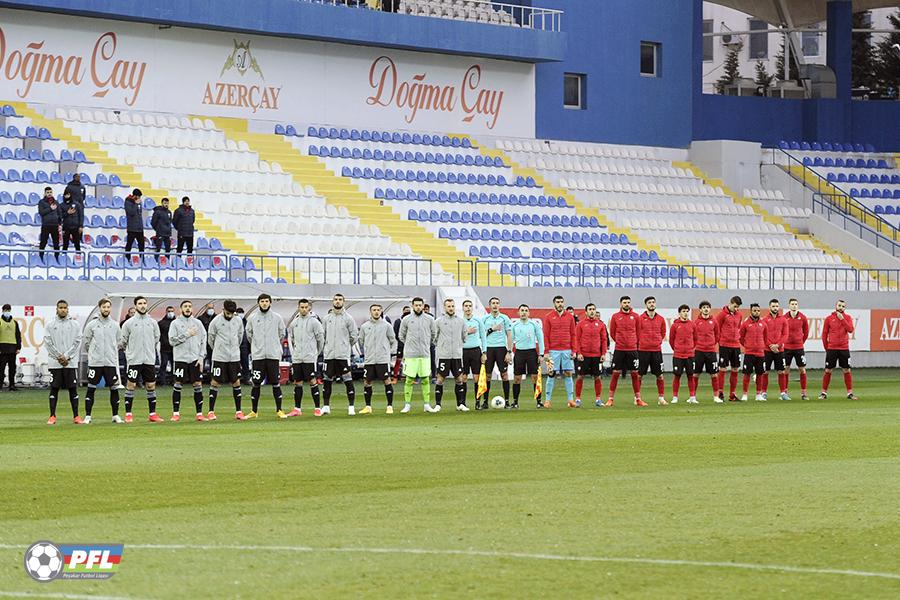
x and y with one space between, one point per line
165 346
50 214
135 222
245 350
161 222
76 189
183 221
390 5
10 345
72 214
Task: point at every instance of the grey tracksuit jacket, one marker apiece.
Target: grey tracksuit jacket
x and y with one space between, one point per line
340 335
187 348
140 335
101 340
265 330
378 342
306 339
224 337
448 335
415 333
62 337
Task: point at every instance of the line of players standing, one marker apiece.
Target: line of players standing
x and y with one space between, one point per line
462 345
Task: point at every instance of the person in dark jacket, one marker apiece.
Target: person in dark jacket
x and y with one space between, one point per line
396 324
165 347
72 213
50 214
245 350
76 189
161 222
209 313
10 345
135 222
183 221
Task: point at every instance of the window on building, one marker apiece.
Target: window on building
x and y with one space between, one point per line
759 42
708 41
650 59
574 90
810 43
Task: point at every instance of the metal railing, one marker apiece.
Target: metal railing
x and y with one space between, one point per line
833 208
494 13
617 274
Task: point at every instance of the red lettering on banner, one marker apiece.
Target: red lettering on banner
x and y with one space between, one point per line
237 95
416 95
885 331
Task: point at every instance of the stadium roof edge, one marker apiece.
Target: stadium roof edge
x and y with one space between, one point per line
802 12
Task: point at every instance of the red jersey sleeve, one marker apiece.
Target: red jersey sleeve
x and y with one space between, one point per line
612 327
577 338
784 332
825 327
743 333
805 327
717 329
672 332
848 323
604 339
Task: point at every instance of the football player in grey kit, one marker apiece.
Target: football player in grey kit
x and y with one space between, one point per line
62 339
101 341
140 336
306 340
188 339
340 335
226 331
376 336
449 333
265 330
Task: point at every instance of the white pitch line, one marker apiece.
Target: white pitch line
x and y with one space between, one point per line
61 595
514 555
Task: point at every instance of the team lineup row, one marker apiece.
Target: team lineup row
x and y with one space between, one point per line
463 346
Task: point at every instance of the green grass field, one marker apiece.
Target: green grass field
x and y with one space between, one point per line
783 499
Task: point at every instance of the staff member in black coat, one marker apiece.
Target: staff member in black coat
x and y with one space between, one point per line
161 222
50 213
166 360
72 213
135 222
183 221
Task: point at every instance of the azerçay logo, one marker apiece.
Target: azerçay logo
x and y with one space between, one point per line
239 95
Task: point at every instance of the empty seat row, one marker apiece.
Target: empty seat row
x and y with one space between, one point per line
29 176
888 209
573 149
470 198
825 146
437 177
576 270
875 193
860 163
11 131
764 194
515 218
133 118
529 236
396 137
863 178
477 160
22 154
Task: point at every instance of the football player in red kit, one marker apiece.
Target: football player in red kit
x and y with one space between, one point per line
729 322
776 336
836 339
591 345
798 333
650 357
752 337
625 330
683 340
705 358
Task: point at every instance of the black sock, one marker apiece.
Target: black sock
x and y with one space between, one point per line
54 396
236 394
438 393
176 398
298 395
367 393
276 391
487 392
151 401
314 390
506 390
89 401
198 399
389 392
327 392
73 400
351 392
517 387
129 401
114 401
254 398
213 394
460 394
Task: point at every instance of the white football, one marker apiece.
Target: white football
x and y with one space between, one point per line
498 402
43 561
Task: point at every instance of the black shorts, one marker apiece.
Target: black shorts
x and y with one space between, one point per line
301 372
63 378
774 361
109 376
683 366
729 357
183 372
380 372
496 357
650 361
706 361
591 366
471 361
335 368
837 357
145 372
525 362
450 367
798 356
267 369
226 372
625 360
754 364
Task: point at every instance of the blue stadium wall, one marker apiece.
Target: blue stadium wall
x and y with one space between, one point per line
600 40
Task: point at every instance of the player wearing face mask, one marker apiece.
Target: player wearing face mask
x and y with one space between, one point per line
206 315
165 348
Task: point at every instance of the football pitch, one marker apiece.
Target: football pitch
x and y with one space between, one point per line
776 499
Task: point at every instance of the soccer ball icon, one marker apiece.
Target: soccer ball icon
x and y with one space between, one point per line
498 402
43 561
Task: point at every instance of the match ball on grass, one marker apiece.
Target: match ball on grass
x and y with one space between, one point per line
43 561
498 402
